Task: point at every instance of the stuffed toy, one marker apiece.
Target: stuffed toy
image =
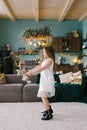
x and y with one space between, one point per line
24 78
20 72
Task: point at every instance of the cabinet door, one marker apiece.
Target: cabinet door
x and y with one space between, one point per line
75 45
66 46
57 44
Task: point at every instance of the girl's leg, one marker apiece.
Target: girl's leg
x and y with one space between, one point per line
45 103
48 114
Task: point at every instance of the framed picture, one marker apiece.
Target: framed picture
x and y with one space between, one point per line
21 50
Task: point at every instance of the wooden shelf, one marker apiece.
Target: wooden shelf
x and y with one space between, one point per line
68 68
28 54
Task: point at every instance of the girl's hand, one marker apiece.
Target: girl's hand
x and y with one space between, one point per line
29 73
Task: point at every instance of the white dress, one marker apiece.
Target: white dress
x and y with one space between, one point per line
46 86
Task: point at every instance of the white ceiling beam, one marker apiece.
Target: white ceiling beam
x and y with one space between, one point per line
36 10
83 16
66 9
8 10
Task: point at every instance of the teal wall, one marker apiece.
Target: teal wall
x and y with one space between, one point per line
84 28
10 31
84 32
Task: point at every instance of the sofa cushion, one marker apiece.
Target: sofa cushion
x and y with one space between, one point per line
33 78
11 92
30 93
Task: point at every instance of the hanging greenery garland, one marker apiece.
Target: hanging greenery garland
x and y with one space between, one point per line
43 35
38 37
42 32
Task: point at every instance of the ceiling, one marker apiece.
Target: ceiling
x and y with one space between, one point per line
43 9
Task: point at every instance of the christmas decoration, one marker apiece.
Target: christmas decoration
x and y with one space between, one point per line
38 37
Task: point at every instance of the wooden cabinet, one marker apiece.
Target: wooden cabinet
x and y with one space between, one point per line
66 44
68 68
57 44
64 68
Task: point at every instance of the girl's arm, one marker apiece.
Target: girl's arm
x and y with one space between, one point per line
39 68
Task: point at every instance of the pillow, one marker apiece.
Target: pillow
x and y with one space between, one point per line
2 78
76 81
77 73
77 78
66 78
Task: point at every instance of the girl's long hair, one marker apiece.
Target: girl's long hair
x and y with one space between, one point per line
51 53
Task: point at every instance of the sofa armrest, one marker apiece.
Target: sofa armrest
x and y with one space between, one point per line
84 83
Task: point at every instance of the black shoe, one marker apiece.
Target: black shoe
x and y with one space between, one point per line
51 110
48 115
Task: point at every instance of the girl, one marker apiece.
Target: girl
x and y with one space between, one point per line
46 86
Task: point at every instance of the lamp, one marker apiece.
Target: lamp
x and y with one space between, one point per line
76 60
